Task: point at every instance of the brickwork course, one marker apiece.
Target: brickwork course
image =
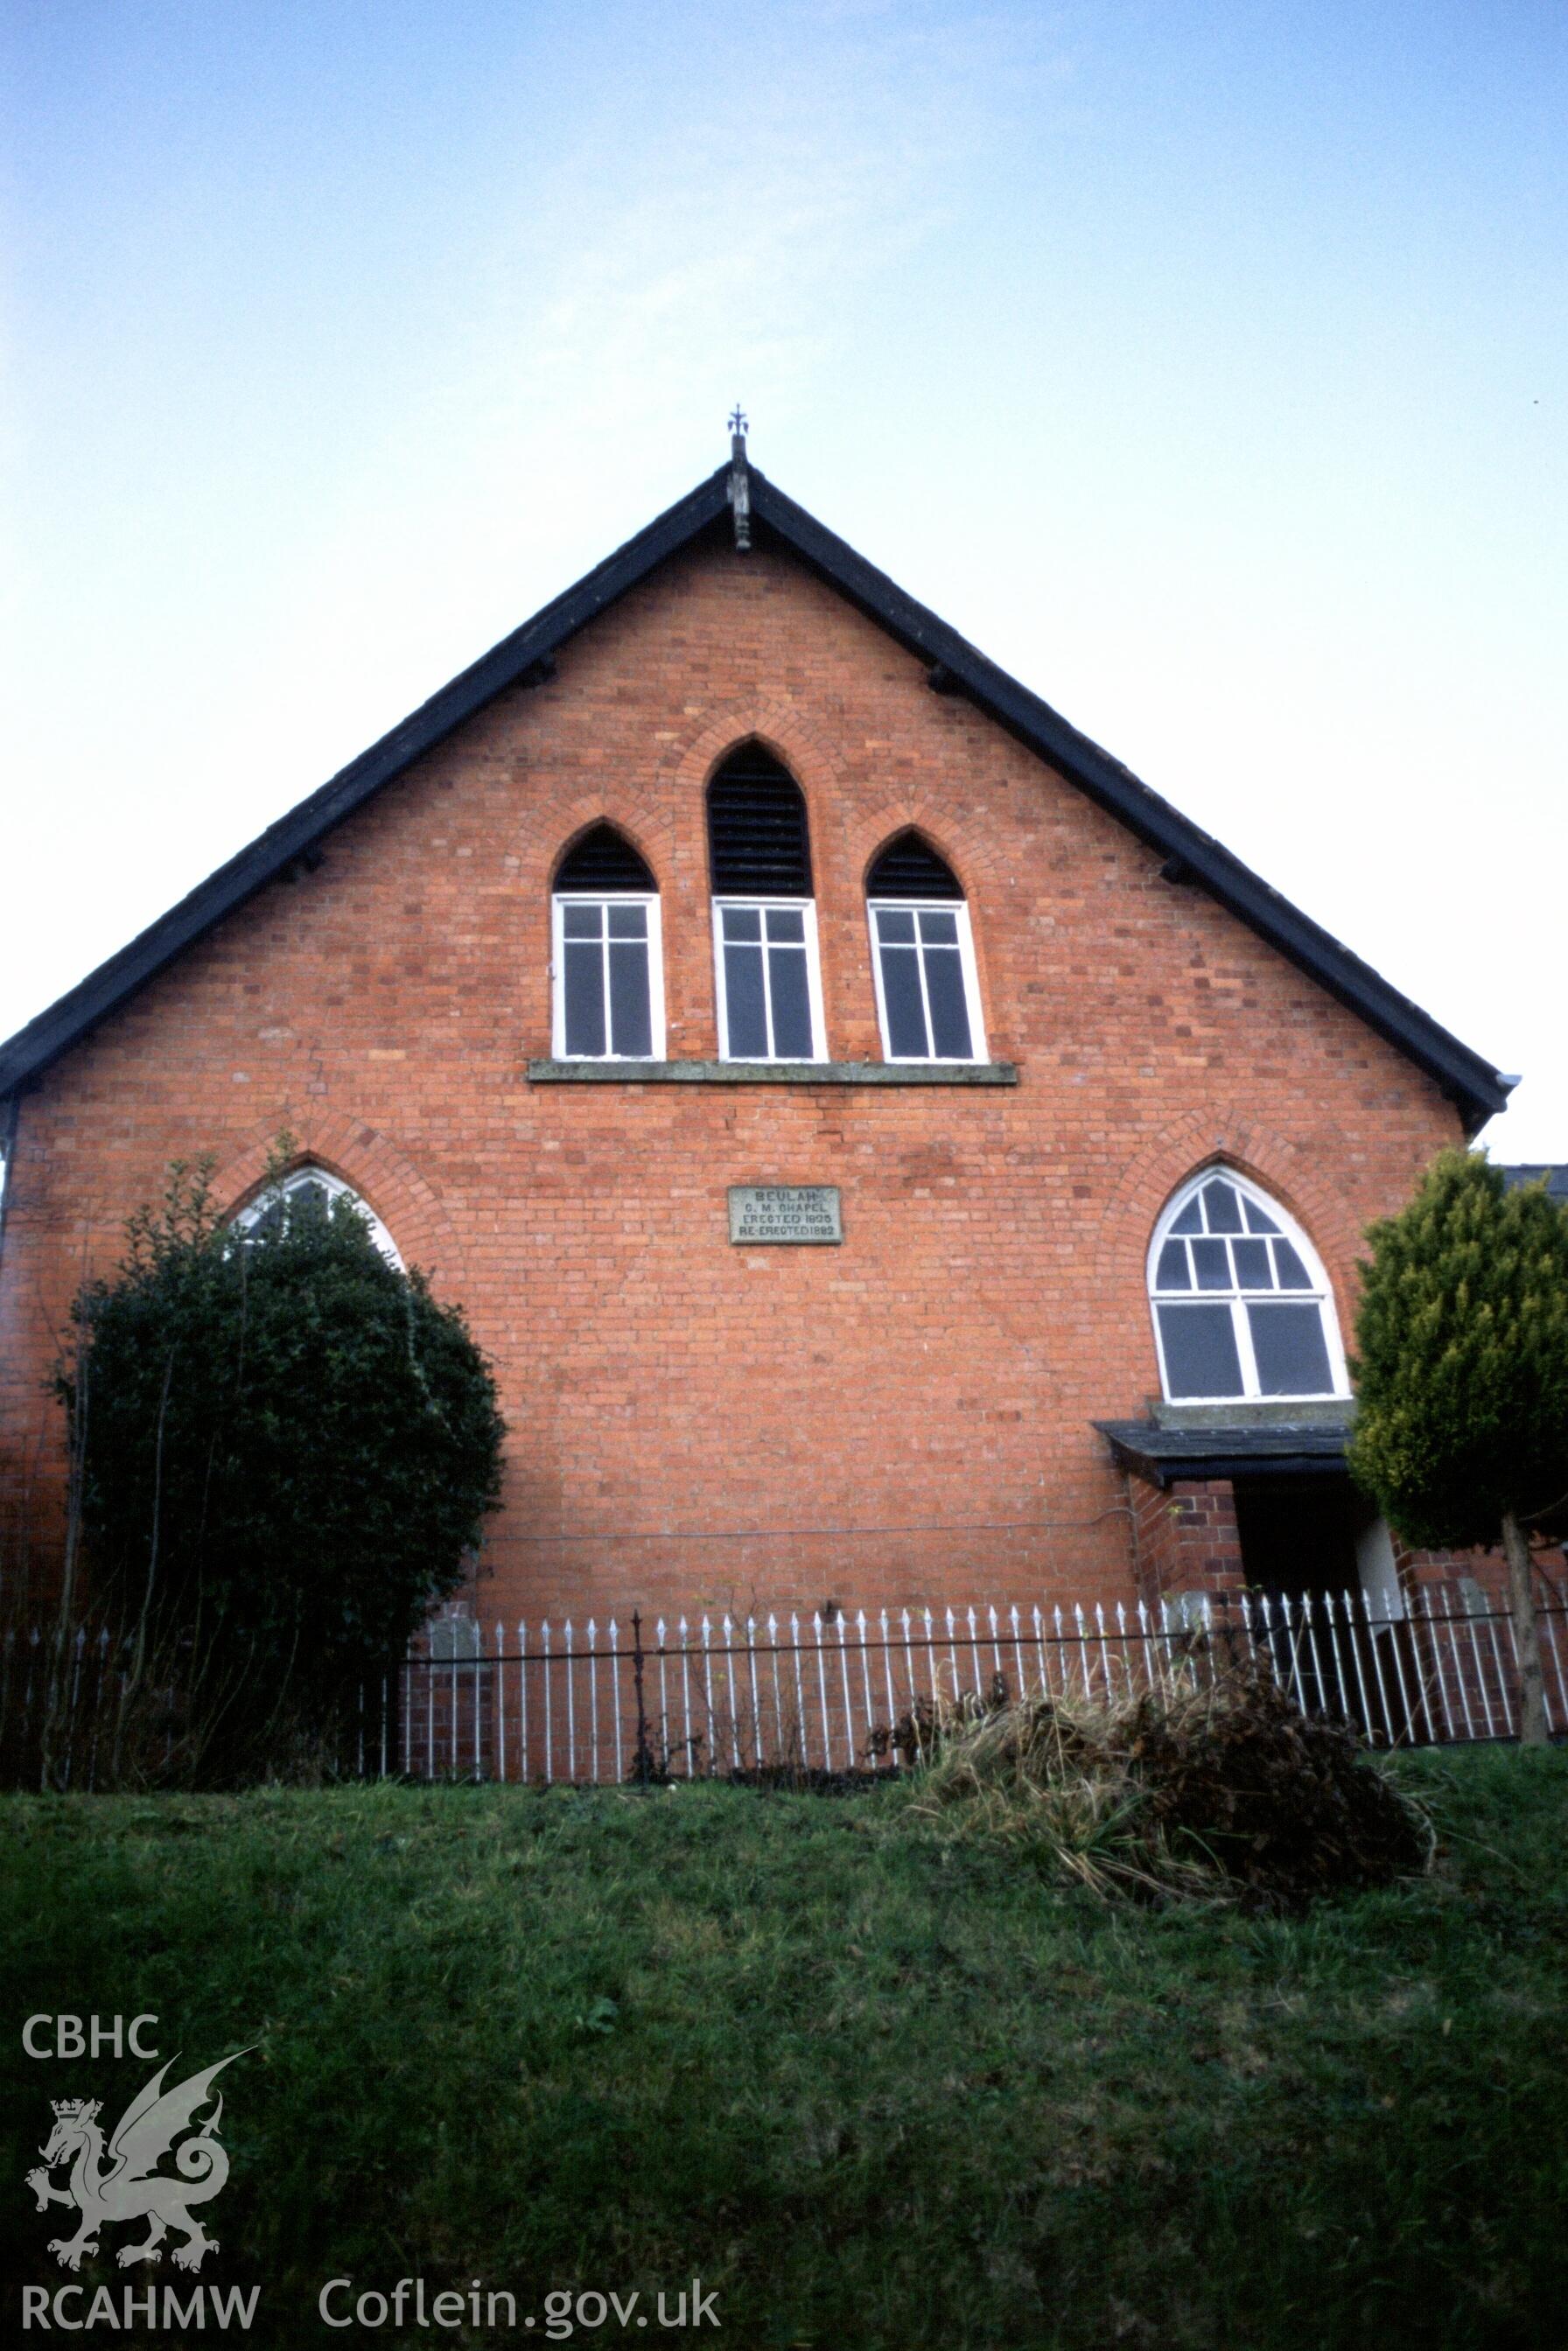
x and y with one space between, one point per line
905 1418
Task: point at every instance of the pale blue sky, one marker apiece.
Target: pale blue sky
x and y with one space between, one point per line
1203 364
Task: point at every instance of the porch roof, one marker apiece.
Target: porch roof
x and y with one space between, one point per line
1309 1449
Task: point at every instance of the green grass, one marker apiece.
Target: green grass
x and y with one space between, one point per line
875 2087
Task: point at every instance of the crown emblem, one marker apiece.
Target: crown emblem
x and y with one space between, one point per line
76 2110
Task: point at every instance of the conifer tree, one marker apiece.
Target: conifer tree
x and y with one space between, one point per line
1461 1370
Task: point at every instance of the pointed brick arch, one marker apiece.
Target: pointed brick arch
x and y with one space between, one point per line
633 814
924 835
812 759
965 848
973 858
758 828
1291 1175
806 750
582 832
371 1164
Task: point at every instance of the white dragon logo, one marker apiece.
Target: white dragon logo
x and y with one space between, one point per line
130 2188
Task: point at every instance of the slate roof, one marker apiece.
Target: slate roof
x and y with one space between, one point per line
1280 1450
1556 1180
527 657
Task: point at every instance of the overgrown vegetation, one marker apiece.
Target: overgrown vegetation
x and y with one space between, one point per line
1215 1789
1461 1374
872 2081
284 1449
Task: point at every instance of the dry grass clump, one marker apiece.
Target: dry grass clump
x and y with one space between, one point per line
1225 1790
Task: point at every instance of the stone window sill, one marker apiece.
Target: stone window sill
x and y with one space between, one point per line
774 1074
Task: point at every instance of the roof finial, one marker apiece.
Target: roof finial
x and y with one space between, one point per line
739 481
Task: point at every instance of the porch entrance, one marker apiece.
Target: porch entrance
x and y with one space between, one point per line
1298 1535
1298 1538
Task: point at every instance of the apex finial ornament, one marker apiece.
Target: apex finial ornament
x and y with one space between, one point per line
739 481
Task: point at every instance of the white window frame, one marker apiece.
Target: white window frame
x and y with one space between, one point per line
967 964
310 1171
1320 1295
807 906
648 898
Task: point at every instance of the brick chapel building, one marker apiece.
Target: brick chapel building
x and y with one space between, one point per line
886 1151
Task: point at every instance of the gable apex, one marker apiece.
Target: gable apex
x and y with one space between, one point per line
526 658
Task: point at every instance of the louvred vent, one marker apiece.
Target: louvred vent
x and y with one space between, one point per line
910 867
604 860
756 829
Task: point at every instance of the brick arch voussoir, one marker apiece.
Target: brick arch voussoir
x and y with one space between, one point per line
372 1165
634 815
973 859
1288 1172
811 756
965 848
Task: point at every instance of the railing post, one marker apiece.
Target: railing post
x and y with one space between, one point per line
1227 1629
644 1761
729 1630
593 1697
501 1703
547 1703
1550 1631
570 1704
755 1699
779 1755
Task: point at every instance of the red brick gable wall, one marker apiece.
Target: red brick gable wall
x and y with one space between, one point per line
936 1376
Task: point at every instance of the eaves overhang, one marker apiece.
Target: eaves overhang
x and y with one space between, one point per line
1465 1076
1192 856
522 659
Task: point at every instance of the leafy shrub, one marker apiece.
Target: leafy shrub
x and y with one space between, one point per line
286 1450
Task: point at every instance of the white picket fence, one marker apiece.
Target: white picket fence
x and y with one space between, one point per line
582 1702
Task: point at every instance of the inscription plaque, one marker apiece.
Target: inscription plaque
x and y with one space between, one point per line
785 1212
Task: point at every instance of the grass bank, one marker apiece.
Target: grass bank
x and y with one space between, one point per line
876 2086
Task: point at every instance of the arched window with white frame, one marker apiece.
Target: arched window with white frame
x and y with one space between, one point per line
317 1186
1241 1303
606 954
769 988
923 957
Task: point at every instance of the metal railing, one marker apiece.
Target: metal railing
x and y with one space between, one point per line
739 1693
585 1702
